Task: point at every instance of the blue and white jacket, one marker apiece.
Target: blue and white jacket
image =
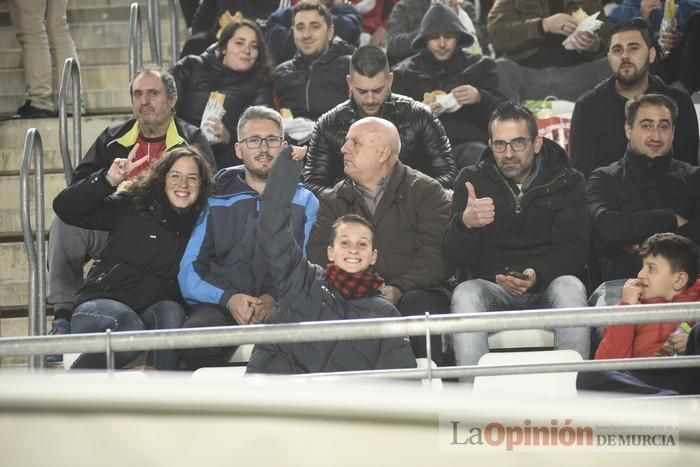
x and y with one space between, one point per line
222 257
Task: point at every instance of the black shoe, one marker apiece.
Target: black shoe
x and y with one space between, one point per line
27 110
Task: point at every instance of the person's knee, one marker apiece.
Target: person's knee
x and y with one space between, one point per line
468 295
100 315
168 315
567 287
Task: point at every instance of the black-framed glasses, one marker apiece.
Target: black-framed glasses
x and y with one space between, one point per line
177 178
516 144
254 142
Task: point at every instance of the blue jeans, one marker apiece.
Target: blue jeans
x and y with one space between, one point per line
101 314
480 296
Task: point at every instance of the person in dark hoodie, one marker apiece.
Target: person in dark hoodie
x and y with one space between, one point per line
313 82
519 230
237 66
442 67
598 121
222 273
344 289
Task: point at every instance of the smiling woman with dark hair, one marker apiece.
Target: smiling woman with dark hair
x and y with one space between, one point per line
237 66
133 285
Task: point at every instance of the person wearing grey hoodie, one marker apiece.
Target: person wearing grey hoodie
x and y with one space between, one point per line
441 66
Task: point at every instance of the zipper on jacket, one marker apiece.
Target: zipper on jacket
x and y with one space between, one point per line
517 198
308 83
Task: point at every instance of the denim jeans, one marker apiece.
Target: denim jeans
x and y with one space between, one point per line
101 314
479 296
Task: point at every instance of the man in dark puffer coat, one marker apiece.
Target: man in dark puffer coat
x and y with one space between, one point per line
424 143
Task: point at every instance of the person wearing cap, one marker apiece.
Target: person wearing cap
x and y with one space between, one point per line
461 88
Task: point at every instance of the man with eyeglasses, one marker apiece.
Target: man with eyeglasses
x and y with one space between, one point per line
222 273
153 130
519 231
313 82
646 192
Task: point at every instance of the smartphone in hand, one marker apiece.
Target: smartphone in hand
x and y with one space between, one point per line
517 275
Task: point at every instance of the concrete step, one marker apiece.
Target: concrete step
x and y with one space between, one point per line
13 133
10 223
14 276
110 54
16 327
97 101
98 34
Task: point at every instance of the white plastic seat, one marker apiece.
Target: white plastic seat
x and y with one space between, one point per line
435 383
543 384
521 338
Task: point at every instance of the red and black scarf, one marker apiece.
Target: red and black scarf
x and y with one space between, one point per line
352 285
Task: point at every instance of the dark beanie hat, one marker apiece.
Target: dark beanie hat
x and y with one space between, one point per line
441 19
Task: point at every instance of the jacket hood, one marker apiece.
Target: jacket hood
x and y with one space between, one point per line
230 181
441 19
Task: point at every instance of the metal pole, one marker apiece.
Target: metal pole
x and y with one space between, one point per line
174 32
71 75
352 329
154 31
109 354
34 243
135 43
428 347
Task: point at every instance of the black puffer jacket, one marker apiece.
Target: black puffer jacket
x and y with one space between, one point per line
304 295
424 143
141 258
636 197
197 76
206 18
421 73
545 227
310 88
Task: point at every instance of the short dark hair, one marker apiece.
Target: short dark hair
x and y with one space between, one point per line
350 219
164 75
152 185
680 252
307 5
659 100
514 111
637 24
263 67
368 61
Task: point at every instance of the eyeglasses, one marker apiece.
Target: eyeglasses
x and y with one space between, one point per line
517 144
176 178
254 142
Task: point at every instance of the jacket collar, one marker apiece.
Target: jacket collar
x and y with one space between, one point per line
640 163
172 136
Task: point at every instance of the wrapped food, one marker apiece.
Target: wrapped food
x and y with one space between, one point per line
589 24
214 109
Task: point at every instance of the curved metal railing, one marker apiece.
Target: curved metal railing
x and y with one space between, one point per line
135 43
71 75
34 242
154 32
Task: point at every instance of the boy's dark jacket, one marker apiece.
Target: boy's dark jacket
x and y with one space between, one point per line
304 295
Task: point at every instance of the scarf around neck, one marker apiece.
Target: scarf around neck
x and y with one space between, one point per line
352 285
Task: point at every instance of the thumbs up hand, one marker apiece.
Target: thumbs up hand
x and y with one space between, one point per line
479 211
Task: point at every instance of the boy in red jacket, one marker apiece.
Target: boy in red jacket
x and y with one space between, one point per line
669 274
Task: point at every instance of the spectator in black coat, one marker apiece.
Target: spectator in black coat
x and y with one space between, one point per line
598 122
347 24
133 284
424 143
646 192
313 82
238 67
443 67
213 15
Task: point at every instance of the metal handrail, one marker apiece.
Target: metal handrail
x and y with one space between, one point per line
154 31
174 31
34 243
71 75
351 329
135 43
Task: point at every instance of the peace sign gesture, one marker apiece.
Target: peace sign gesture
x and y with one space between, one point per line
121 168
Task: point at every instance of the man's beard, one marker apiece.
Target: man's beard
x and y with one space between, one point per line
634 78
